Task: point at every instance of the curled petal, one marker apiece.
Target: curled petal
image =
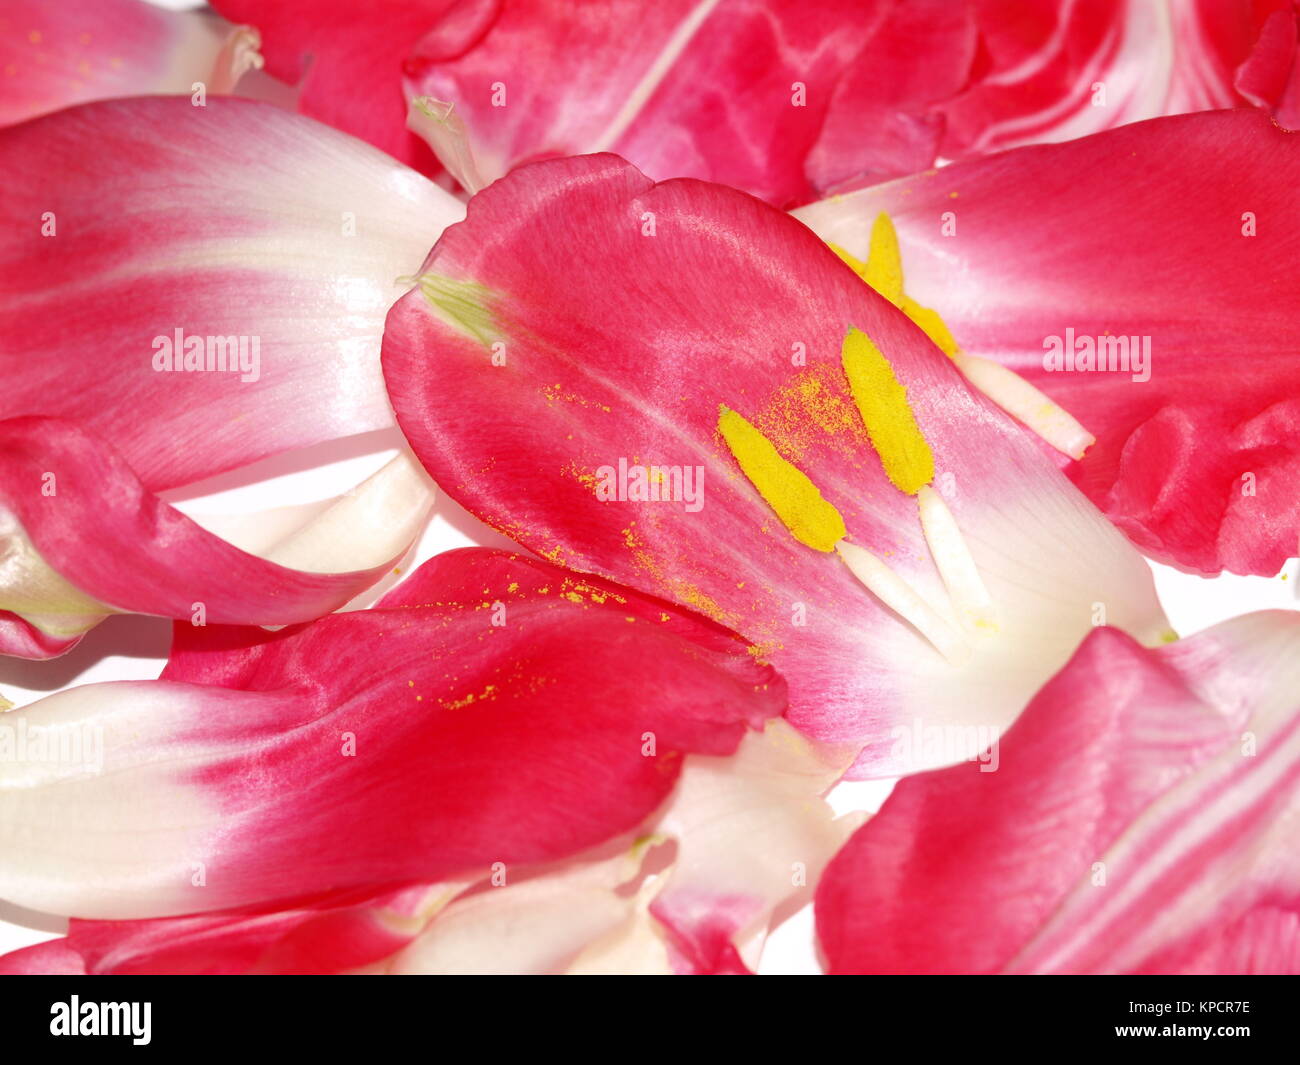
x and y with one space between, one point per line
1052 72
203 286
82 539
509 711
1137 821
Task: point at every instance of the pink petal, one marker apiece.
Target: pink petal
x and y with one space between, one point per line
347 61
774 97
1269 77
54 55
882 120
227 221
55 957
84 539
620 346
1197 464
1137 821
401 745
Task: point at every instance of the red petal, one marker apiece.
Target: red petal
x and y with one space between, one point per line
347 61
1136 821
620 345
1052 72
405 744
227 221
1197 464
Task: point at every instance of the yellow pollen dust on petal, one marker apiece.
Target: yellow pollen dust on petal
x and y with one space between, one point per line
788 491
891 424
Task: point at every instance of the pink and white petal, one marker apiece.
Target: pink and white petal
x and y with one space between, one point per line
1052 72
57 55
341 935
234 220
537 926
83 539
1140 812
1196 451
753 835
739 91
639 375
349 756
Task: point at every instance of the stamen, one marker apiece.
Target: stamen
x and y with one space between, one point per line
788 491
884 270
955 563
882 402
904 600
436 123
1026 404
931 324
240 52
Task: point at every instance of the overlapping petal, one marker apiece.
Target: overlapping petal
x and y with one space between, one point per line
1051 71
255 249
346 60
1140 820
489 709
692 890
1165 248
54 55
709 298
81 538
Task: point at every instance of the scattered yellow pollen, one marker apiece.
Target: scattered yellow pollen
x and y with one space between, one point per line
809 412
788 491
513 587
488 692
884 260
890 422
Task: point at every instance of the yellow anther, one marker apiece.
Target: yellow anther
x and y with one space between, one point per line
884 260
850 260
890 422
932 324
788 491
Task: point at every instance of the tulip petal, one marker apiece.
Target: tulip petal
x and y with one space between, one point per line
753 836
57 55
1198 447
1137 821
1052 72
127 221
346 61
266 767
83 539
504 330
54 957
